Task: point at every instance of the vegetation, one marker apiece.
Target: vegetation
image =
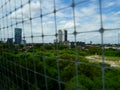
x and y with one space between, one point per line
18 66
112 58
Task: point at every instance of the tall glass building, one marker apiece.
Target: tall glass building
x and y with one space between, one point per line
60 36
65 35
18 35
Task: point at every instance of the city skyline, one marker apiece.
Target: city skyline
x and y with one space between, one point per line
64 19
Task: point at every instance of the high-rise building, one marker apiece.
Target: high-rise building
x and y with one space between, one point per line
118 38
65 35
18 35
10 40
60 36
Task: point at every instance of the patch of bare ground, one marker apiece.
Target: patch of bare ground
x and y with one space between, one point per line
97 58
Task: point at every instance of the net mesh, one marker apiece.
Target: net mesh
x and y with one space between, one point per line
34 55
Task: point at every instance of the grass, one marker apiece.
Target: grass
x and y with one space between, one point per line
111 58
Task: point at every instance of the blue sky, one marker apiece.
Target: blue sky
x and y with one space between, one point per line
86 16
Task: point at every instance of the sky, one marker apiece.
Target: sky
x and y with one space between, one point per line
86 17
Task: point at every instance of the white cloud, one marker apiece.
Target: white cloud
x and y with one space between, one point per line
109 4
117 13
34 6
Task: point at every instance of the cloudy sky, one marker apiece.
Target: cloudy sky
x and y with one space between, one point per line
86 18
